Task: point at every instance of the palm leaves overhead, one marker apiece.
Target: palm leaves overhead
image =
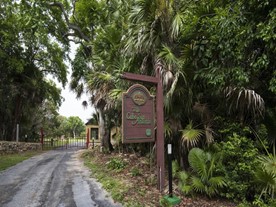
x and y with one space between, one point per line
151 41
100 84
244 102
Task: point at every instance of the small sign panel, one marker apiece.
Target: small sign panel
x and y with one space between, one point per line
138 115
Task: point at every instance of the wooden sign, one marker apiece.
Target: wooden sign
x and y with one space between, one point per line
138 115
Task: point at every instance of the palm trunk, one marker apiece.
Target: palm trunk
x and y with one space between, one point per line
101 125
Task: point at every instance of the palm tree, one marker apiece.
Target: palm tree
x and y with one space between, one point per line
152 42
203 177
97 71
246 104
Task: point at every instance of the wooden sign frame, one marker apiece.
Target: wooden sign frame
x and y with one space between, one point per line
160 158
138 115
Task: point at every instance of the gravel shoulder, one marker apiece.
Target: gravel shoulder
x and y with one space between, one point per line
55 178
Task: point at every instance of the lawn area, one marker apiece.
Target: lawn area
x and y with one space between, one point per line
7 161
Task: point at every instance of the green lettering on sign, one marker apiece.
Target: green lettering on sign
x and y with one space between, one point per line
137 117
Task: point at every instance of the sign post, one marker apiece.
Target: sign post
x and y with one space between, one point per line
159 122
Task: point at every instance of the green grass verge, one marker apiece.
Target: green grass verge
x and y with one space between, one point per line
7 161
115 186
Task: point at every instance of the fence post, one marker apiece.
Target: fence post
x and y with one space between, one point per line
42 137
87 139
17 132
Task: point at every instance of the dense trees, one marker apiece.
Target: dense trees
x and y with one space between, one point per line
218 69
217 60
31 47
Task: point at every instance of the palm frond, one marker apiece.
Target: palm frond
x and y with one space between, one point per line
115 94
197 184
217 182
191 136
197 159
245 101
175 168
266 182
268 163
167 55
177 24
183 177
167 130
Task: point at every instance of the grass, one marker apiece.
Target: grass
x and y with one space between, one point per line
125 177
116 187
7 161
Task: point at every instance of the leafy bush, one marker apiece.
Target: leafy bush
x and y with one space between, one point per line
240 161
203 177
116 164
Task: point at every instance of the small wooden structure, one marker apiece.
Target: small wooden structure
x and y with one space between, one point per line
92 134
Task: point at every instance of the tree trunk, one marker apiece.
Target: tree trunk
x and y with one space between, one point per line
104 133
101 125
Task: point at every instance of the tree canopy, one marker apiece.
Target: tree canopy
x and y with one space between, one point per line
31 47
216 57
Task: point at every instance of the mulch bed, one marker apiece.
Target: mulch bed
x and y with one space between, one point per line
143 182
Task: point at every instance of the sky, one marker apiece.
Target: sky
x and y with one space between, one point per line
71 105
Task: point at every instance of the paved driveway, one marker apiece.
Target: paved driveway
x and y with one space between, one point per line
55 178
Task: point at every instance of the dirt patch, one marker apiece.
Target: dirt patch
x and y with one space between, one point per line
139 174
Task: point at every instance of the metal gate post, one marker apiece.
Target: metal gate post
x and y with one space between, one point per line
87 138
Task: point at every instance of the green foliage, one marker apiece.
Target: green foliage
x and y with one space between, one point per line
191 136
204 177
135 171
265 175
32 47
75 125
115 186
175 168
164 202
116 164
240 161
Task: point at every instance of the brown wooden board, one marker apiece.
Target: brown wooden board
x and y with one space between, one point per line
138 115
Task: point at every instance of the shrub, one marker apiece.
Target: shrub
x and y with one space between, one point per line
203 177
240 161
135 171
116 164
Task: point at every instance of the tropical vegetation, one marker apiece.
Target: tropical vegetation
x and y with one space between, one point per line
216 58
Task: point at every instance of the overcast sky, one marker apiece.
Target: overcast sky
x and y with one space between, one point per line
71 105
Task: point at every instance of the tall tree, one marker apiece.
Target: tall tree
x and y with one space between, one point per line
75 125
31 47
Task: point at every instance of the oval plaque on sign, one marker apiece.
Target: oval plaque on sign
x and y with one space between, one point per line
139 98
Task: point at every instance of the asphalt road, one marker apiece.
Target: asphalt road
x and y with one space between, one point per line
53 179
